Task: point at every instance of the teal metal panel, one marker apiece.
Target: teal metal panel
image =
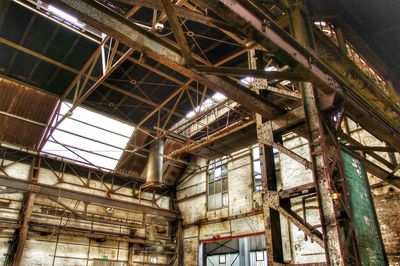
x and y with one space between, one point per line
364 220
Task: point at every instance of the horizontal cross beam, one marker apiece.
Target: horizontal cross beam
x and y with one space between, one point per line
54 191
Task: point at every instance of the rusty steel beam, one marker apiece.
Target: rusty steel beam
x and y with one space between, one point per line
151 46
220 71
183 13
106 84
272 37
276 40
255 73
355 145
54 191
372 148
297 191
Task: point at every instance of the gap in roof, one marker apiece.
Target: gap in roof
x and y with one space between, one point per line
61 17
208 103
89 137
65 16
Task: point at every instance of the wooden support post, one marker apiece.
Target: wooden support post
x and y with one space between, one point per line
23 232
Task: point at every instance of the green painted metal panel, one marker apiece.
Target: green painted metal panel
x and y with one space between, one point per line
364 220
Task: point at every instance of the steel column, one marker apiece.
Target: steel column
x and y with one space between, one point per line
23 231
335 249
273 235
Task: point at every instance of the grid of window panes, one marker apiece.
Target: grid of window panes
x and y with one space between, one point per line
217 184
256 164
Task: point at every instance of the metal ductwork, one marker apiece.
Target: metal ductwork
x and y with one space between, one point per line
155 163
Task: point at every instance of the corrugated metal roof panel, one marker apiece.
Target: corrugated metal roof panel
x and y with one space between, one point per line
27 103
131 163
174 169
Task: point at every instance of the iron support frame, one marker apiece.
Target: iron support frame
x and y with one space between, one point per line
128 33
54 191
335 221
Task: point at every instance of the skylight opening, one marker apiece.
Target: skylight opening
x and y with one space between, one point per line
61 17
89 138
247 81
271 68
65 16
208 103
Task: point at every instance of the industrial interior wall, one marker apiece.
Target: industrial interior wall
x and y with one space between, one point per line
45 246
243 215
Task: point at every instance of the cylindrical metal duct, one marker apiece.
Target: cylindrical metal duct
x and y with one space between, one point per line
155 162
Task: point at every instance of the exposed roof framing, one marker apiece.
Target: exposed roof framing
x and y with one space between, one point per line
148 83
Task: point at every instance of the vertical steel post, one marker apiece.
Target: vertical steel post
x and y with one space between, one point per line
179 244
273 235
23 232
130 255
318 149
17 245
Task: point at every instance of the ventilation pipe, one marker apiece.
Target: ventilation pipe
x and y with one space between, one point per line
155 162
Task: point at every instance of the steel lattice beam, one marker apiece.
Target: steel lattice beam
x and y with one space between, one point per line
54 191
153 47
276 40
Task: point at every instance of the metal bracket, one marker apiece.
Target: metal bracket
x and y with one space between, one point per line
271 199
34 188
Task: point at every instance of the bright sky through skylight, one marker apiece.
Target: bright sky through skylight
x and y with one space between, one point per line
217 97
65 16
89 138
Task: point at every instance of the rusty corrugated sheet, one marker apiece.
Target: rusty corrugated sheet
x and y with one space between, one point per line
130 163
25 102
134 164
173 169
